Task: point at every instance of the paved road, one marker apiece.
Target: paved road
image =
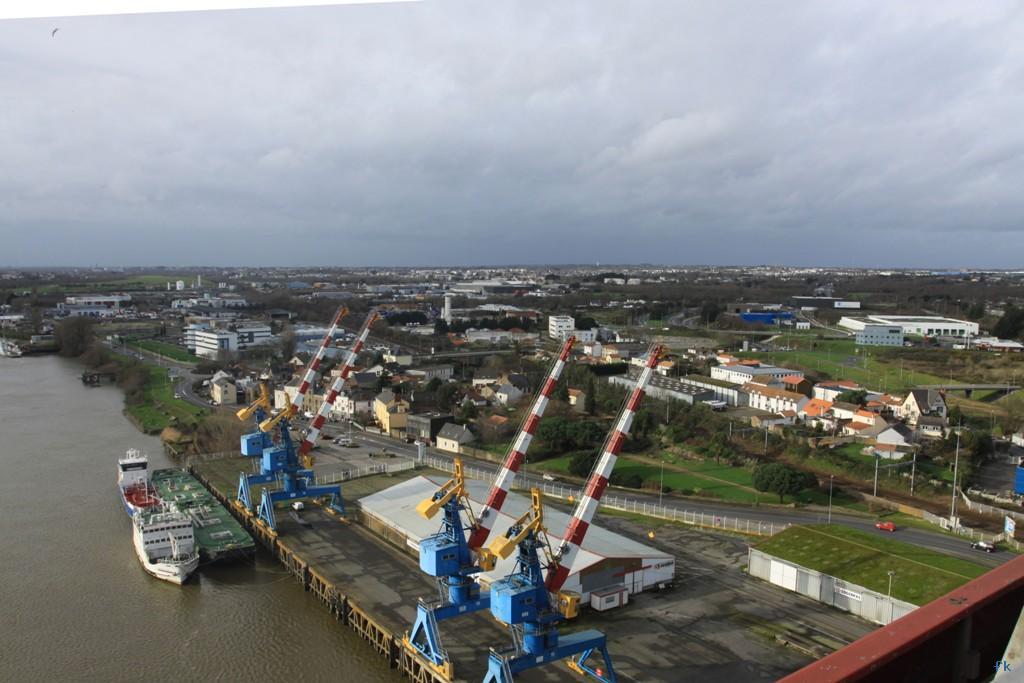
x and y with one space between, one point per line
937 541
183 373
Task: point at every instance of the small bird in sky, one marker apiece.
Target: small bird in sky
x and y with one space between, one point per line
54 32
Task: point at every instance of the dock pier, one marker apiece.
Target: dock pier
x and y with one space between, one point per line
370 585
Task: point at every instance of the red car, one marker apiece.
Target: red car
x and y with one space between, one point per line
885 526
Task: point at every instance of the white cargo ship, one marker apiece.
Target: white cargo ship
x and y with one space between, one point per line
137 492
165 543
9 349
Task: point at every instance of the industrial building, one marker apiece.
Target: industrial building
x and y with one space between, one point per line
879 335
94 305
739 373
920 325
208 342
606 560
725 391
666 388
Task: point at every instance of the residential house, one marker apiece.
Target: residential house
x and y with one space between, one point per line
482 378
931 426
798 384
223 392
923 402
284 396
391 412
844 411
352 402
507 395
774 400
577 399
831 389
453 438
425 426
896 434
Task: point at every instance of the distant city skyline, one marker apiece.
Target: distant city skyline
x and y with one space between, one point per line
464 134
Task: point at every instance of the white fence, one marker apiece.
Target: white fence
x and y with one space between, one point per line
753 527
865 603
356 472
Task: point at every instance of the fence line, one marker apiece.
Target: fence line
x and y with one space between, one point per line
357 472
752 527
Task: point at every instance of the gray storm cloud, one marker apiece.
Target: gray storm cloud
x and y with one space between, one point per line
459 133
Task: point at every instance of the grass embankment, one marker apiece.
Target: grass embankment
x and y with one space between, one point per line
865 559
164 349
157 408
842 359
705 478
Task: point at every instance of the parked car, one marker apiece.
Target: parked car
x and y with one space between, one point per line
177 395
983 545
885 526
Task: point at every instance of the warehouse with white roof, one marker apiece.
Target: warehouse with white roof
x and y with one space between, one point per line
606 560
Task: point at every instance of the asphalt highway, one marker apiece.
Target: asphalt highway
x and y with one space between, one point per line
937 541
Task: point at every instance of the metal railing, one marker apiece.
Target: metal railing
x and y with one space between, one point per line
671 513
357 472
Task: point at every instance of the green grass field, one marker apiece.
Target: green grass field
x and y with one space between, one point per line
704 478
842 365
159 408
163 348
920 575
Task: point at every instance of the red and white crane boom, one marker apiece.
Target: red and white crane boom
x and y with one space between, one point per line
517 451
307 378
313 431
558 570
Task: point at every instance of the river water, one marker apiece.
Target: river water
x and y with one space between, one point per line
74 602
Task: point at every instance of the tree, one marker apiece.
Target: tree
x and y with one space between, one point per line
440 326
446 396
857 397
590 400
468 411
73 335
288 344
976 311
1011 325
778 478
709 311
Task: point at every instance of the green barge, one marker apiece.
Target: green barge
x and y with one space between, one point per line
219 536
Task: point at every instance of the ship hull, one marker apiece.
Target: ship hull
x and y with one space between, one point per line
173 572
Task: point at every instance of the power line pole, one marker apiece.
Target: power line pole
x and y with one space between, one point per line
956 465
875 492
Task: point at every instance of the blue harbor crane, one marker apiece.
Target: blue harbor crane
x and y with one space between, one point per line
522 602
448 557
280 463
456 554
254 443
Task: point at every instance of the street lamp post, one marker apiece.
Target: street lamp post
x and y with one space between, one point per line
661 483
830 478
892 573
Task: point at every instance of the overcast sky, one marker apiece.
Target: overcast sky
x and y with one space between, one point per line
436 133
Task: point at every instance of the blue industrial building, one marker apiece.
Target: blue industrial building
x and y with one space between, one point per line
765 317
